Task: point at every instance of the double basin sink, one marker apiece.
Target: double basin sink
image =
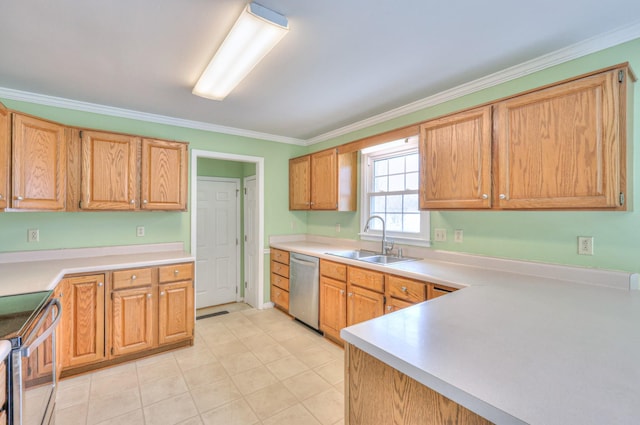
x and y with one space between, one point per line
370 256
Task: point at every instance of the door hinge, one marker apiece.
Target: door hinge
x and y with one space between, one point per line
237 191
245 238
620 76
245 190
245 283
236 241
236 289
621 199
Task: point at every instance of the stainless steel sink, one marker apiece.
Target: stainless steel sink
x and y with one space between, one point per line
371 256
356 254
386 259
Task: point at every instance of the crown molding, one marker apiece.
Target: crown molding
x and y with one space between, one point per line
574 51
76 105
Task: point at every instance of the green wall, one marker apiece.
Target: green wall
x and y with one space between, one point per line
539 236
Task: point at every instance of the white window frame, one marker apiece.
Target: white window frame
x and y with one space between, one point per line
366 181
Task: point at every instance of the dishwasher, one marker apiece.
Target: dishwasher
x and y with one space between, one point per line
304 288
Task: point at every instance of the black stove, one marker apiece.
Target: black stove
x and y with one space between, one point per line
17 313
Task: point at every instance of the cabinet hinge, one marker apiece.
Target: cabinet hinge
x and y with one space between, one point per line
620 76
621 199
80 132
112 300
112 351
80 204
384 300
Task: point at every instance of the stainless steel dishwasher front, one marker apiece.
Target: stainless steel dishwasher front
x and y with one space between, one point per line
304 288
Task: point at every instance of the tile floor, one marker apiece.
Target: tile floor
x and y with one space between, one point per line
246 367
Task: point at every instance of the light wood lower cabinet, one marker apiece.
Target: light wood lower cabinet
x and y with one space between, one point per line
333 307
5 156
280 278
132 314
365 295
175 303
82 324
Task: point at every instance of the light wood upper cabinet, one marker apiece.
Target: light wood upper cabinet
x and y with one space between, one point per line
5 156
562 147
324 180
82 326
109 171
164 175
455 161
39 164
300 183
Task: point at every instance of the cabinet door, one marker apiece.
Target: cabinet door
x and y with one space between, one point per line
363 304
175 312
82 326
560 147
333 306
39 164
5 156
300 183
324 180
164 175
109 171
132 314
280 297
455 161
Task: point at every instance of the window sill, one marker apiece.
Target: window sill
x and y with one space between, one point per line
403 240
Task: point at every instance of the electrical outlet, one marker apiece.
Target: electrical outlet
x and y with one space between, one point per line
440 235
585 245
457 235
140 231
33 235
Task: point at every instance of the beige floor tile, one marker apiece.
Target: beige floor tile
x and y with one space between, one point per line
193 357
237 412
271 400
170 411
161 389
301 343
118 403
67 396
102 385
204 374
254 379
228 348
315 356
192 421
270 353
339 387
240 362
340 422
162 357
219 337
306 384
332 372
257 340
114 370
74 415
215 394
327 407
162 369
286 367
132 418
82 380
295 415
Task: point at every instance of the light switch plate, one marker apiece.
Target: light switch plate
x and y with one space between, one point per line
458 235
440 235
140 231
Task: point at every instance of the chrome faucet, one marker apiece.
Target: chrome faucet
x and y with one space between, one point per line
385 246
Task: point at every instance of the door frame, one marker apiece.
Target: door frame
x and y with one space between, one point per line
259 161
245 217
239 218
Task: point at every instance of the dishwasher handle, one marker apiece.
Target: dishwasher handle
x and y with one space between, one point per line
304 262
33 342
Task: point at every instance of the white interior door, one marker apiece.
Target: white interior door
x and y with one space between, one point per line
250 242
217 258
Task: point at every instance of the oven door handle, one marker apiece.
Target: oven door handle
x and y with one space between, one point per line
30 346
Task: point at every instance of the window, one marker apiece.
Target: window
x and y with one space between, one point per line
390 190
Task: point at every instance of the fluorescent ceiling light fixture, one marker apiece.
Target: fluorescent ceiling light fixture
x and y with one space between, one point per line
254 34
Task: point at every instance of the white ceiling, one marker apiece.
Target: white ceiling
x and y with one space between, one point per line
343 60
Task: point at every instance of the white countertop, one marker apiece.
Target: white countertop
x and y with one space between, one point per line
522 344
5 349
43 272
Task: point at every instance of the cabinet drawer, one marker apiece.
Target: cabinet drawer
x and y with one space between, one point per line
280 256
333 270
366 279
394 304
279 281
132 278
436 291
175 272
280 297
406 289
281 269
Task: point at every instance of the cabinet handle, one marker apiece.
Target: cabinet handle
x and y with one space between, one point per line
134 277
485 196
99 283
148 295
144 201
133 201
162 293
0 195
176 272
502 196
342 292
350 294
389 308
19 198
403 289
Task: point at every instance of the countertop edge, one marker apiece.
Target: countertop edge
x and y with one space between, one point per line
5 349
